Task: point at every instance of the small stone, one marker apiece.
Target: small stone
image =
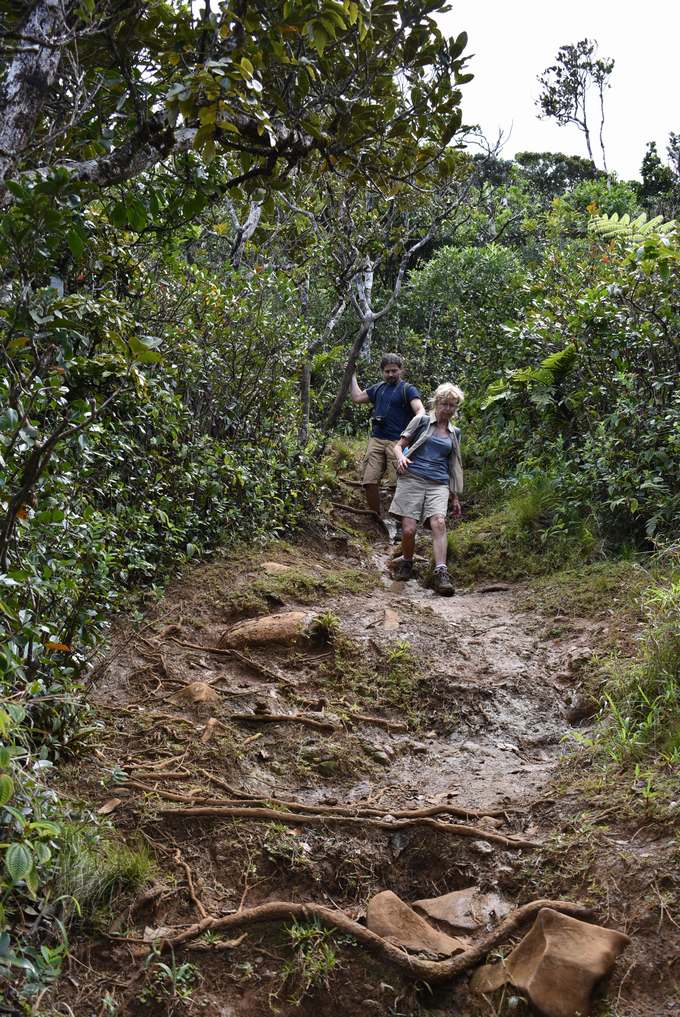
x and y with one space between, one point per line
482 847
274 568
418 748
580 708
470 747
489 822
465 910
376 752
395 921
391 621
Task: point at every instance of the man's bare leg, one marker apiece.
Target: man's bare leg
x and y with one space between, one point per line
408 537
373 497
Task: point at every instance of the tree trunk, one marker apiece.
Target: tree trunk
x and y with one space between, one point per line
604 157
363 335
30 76
305 385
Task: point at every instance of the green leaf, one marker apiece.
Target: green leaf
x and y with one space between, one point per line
31 881
43 853
6 788
76 242
18 862
142 352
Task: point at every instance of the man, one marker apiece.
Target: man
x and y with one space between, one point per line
394 403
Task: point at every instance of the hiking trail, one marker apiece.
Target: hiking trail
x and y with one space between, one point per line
398 703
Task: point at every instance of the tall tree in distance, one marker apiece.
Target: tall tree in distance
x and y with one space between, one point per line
565 87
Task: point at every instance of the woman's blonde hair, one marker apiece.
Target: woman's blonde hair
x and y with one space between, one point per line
447 391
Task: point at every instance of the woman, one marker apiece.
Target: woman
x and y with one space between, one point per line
430 472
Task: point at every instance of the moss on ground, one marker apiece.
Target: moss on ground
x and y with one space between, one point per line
495 546
591 590
306 586
391 676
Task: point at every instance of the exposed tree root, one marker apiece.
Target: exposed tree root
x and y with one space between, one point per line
349 810
284 718
391 725
243 658
190 883
299 819
362 512
434 972
217 944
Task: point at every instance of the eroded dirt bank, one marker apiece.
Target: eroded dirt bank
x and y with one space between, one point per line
402 701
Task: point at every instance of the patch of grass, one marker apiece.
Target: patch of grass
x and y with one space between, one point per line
591 590
400 675
314 960
632 756
391 679
304 585
325 628
524 537
641 697
343 455
169 984
93 870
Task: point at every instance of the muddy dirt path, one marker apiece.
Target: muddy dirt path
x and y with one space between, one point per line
407 700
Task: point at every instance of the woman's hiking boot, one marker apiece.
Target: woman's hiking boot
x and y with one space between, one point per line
404 571
442 584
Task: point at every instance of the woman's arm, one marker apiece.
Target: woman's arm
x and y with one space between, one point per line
403 462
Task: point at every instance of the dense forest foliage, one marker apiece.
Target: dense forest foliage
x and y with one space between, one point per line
208 221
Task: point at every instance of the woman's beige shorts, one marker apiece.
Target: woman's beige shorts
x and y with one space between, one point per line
419 498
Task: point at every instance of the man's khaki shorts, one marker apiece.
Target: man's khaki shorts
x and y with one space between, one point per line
378 461
419 498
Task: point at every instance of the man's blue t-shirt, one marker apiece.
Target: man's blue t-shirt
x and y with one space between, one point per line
391 408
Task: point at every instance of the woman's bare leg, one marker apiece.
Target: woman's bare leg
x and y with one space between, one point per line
438 527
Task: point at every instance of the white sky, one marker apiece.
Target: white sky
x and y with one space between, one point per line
515 40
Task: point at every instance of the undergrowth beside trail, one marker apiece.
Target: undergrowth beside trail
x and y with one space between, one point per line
641 708
526 535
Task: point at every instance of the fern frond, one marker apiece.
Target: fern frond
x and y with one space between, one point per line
615 227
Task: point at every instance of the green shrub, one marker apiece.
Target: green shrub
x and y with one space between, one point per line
641 708
93 868
530 534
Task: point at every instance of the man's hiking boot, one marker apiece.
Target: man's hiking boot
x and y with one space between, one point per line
442 584
404 571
